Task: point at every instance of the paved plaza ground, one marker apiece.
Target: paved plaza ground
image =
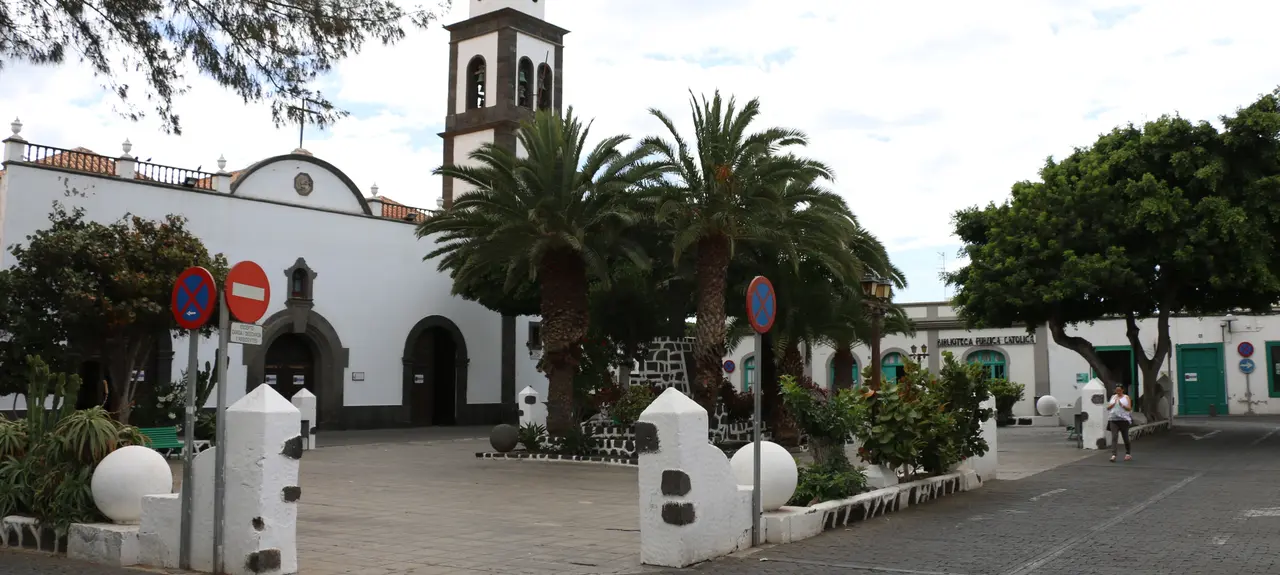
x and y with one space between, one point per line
418 502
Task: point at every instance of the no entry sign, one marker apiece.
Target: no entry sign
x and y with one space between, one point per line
194 295
761 304
248 292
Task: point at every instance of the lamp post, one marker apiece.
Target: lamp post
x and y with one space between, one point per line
877 290
922 357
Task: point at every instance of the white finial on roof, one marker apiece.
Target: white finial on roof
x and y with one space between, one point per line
222 163
440 202
16 126
126 146
374 190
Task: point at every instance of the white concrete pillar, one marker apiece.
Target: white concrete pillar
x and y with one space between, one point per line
264 448
222 179
126 165
691 507
14 146
1093 403
374 201
532 409
305 401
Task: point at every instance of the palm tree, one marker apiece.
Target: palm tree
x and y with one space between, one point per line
722 189
554 216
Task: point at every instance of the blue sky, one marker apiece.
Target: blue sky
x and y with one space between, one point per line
922 108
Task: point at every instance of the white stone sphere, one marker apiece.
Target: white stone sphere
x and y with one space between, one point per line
778 472
1047 405
124 476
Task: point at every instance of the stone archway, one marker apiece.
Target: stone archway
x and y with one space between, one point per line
419 371
329 356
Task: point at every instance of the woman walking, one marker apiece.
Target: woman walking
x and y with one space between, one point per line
1119 416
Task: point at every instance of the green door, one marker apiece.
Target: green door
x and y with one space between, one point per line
1200 379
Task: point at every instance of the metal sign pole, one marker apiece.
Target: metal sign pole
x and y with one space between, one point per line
220 457
755 432
188 451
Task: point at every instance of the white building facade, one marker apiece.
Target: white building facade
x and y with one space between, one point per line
356 316
1208 365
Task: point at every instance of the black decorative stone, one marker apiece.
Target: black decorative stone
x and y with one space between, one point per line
263 561
530 400
258 524
678 513
504 437
646 437
675 482
291 493
293 448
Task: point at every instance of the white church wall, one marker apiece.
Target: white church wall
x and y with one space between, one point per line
535 8
275 182
485 46
527 373
463 145
538 52
372 284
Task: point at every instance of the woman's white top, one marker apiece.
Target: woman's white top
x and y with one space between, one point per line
1119 411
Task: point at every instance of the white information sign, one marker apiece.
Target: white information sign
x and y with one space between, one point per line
246 333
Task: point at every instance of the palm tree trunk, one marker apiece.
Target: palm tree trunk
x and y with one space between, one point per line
563 278
792 361
708 346
842 363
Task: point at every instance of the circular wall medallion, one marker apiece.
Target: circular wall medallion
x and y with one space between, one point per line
303 184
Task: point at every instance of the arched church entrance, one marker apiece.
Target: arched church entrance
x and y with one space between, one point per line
300 349
290 365
435 372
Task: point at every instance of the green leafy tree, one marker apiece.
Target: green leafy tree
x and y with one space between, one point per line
105 288
263 50
723 188
1149 221
554 216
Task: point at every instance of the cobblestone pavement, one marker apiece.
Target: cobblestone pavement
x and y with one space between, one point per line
1190 502
414 502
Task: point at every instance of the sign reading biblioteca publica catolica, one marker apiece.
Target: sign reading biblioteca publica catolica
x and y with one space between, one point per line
995 340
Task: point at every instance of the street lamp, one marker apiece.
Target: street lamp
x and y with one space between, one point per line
878 291
921 357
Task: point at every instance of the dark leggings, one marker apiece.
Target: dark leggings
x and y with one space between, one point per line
1121 427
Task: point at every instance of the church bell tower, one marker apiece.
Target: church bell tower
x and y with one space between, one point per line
505 61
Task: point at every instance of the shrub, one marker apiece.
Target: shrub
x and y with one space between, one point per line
1007 394
530 436
828 421
820 483
956 434
739 406
630 403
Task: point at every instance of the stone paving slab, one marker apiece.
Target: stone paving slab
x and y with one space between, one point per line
400 502
1182 507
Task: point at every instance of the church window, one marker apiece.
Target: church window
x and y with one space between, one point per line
476 71
544 87
298 288
301 278
524 86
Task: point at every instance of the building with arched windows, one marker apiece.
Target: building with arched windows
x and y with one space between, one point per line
1206 369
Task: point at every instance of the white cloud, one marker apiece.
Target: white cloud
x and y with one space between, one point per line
922 108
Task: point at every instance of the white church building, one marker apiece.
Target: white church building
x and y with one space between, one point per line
357 317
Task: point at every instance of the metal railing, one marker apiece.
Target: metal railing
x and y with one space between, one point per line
69 159
175 176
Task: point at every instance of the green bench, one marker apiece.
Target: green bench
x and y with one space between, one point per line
165 440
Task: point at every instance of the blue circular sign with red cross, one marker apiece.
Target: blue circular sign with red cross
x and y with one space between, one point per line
762 307
1245 349
729 366
195 296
